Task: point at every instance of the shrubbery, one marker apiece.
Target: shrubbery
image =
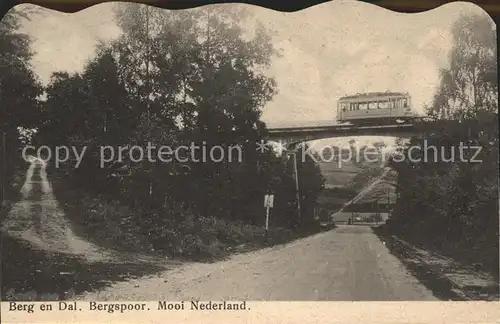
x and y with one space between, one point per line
452 206
176 232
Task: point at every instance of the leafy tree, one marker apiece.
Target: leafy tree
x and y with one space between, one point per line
178 78
19 91
470 84
453 204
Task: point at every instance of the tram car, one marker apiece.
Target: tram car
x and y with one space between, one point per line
375 108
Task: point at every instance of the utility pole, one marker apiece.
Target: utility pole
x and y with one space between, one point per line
296 176
297 189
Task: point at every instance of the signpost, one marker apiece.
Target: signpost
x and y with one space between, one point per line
268 203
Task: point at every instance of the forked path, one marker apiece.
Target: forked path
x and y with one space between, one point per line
349 263
38 219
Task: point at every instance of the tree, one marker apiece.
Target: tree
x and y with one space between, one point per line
177 78
19 85
19 90
470 84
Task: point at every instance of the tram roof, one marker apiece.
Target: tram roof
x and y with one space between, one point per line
373 95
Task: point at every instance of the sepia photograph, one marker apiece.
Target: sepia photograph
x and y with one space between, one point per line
231 153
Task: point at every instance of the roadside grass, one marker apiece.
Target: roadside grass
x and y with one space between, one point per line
467 251
38 275
14 183
433 275
440 287
115 226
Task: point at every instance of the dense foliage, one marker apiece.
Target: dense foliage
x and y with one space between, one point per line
19 89
445 200
172 79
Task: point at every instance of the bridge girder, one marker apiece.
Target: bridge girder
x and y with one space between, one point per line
292 137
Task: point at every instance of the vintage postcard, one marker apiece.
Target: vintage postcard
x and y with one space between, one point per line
218 163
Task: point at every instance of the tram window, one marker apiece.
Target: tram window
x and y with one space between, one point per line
372 105
383 105
405 103
363 106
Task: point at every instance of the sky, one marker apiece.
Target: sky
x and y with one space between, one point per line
328 51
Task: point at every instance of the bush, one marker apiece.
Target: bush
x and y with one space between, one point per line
178 233
452 207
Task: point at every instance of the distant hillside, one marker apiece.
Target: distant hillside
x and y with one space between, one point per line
333 155
336 176
344 178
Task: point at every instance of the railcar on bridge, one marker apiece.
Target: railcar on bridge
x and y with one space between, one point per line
375 108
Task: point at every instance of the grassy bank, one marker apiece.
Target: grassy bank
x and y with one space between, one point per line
440 287
113 225
14 183
447 277
34 274
484 258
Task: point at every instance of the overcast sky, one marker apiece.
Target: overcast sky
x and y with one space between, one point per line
329 50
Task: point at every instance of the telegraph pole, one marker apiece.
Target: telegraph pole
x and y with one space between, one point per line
296 176
297 189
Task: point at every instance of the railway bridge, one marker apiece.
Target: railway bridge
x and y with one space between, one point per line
292 136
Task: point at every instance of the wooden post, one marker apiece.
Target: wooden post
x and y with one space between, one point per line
267 219
268 204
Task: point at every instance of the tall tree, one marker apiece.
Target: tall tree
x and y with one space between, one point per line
470 84
201 81
178 78
19 89
449 198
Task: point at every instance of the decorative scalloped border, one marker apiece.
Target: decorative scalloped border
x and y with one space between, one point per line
407 6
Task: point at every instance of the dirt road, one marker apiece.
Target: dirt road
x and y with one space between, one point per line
348 263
